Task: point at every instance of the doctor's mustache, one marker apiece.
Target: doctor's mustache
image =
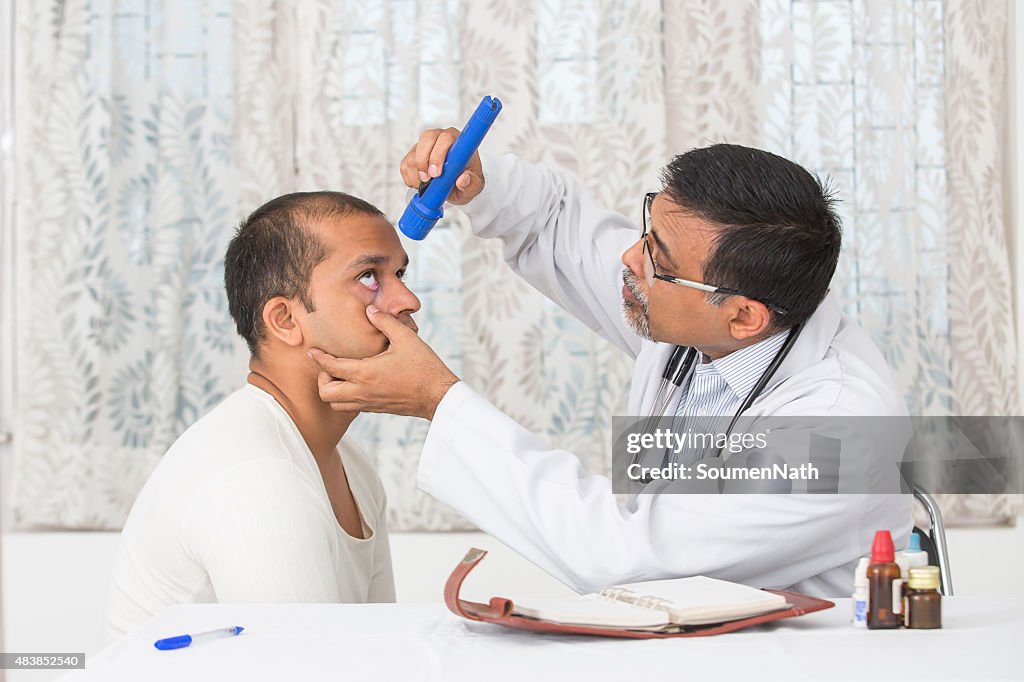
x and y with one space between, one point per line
636 319
633 284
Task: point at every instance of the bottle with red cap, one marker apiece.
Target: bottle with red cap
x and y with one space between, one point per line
885 588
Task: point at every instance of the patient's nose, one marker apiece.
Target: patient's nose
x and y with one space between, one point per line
397 299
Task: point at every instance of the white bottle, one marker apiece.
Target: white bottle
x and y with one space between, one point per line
903 562
915 556
860 593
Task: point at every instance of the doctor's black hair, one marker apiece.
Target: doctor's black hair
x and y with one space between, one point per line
274 251
778 235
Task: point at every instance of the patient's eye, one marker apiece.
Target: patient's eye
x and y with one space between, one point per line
401 274
369 280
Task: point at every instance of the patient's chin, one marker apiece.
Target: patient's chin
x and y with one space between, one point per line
381 347
360 347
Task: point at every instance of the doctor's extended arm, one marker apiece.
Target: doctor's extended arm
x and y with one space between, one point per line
553 232
539 501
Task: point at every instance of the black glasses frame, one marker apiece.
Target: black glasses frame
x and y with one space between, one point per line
709 288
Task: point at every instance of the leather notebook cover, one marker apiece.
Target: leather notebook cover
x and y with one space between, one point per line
499 611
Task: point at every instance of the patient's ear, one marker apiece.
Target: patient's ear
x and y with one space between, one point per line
280 321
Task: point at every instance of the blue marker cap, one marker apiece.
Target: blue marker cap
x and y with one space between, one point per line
915 543
173 642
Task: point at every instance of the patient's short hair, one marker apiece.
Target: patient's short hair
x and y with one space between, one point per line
274 251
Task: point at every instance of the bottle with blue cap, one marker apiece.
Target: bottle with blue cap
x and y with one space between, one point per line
915 556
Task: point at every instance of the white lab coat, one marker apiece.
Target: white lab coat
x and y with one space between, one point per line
540 502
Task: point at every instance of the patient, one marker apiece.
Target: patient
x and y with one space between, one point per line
257 501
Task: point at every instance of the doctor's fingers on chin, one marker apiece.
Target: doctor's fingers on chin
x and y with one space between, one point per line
344 400
340 368
362 403
337 391
348 407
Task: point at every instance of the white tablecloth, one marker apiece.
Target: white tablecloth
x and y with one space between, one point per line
981 639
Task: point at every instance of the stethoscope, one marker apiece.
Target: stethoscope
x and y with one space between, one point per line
681 365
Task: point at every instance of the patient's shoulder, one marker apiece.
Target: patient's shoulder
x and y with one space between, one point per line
245 426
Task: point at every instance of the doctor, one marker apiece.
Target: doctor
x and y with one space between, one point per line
736 251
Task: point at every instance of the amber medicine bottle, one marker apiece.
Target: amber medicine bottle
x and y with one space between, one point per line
924 603
884 585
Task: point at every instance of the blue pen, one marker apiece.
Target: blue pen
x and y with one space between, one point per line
186 640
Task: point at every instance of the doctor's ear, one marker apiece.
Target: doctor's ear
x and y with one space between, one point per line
281 322
750 318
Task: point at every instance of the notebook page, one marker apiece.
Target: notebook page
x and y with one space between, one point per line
698 600
592 610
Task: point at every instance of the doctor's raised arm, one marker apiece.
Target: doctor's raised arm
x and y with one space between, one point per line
542 218
726 280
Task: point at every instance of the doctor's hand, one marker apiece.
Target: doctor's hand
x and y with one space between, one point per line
408 378
426 159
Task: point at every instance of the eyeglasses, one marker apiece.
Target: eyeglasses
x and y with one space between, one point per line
711 289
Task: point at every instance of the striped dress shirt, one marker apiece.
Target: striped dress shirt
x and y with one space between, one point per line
715 389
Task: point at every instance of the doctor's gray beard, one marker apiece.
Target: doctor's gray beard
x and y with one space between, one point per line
636 316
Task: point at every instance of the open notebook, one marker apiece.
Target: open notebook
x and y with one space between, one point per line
687 607
656 605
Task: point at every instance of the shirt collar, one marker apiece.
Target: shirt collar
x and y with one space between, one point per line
741 369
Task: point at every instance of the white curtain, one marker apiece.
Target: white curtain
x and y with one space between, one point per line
126 195
150 133
901 104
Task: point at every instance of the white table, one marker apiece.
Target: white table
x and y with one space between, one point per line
982 639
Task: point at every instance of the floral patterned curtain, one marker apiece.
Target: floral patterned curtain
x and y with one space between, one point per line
125 200
145 135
